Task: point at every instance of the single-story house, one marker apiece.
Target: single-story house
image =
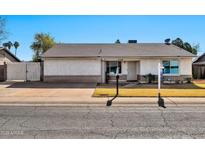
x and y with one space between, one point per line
100 62
5 57
199 67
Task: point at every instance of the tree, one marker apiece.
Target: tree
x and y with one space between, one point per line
3 32
42 42
186 46
8 45
195 48
178 42
16 45
5 45
117 41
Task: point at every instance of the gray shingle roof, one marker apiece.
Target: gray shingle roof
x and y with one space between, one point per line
200 59
116 50
10 53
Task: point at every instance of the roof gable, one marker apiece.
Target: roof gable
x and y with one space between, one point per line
10 54
200 59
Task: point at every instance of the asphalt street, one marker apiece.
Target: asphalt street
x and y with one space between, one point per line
102 122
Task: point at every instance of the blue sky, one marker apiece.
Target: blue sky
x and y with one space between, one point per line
104 29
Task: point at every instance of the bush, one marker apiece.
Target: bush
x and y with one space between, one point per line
188 80
150 77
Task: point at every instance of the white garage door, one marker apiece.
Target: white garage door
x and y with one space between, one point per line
72 67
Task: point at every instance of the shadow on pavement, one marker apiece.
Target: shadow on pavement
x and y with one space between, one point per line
51 85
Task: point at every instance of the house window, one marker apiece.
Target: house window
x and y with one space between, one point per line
170 66
112 67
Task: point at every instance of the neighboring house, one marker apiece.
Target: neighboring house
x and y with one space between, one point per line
199 67
5 57
98 62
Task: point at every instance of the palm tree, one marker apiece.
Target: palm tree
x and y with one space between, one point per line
5 45
10 44
16 45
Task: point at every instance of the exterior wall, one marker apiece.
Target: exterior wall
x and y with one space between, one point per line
68 67
5 57
124 68
138 67
73 78
186 66
149 66
72 70
93 70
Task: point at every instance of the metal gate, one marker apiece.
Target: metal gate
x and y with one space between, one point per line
27 71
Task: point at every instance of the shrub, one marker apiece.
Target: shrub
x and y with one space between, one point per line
150 77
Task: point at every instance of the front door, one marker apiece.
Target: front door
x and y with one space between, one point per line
131 71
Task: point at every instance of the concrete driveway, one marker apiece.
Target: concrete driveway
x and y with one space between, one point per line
42 92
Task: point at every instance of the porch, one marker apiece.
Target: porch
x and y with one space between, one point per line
128 71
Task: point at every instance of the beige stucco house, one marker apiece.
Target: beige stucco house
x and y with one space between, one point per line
100 62
5 57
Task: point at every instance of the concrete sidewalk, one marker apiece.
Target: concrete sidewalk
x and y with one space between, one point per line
90 101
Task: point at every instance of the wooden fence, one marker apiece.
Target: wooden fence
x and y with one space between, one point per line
198 71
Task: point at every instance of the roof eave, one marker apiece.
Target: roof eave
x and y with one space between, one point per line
11 54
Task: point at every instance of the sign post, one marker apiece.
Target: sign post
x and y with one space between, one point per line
159 78
160 100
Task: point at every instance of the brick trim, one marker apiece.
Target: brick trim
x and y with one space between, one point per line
73 78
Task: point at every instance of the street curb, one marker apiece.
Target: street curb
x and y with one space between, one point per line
100 104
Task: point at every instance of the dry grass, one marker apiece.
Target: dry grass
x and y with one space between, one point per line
200 84
150 92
